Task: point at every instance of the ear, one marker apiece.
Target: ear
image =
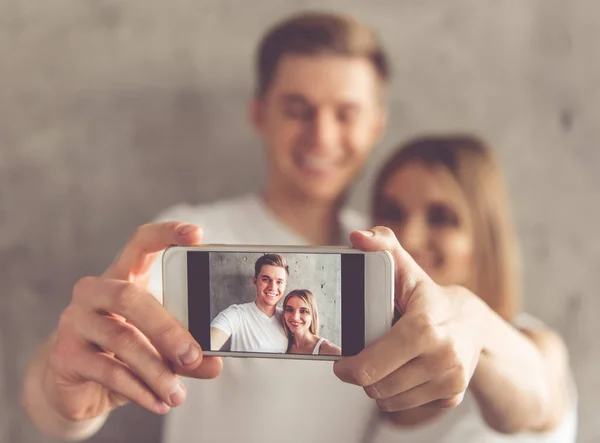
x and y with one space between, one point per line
256 110
380 123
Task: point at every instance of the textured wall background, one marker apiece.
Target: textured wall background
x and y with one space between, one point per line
231 283
112 110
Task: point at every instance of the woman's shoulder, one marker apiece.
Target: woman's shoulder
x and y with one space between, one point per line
524 320
539 332
542 334
328 348
554 349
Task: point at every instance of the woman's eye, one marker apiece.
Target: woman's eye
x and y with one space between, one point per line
391 212
441 216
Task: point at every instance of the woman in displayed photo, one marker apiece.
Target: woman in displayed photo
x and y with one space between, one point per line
301 325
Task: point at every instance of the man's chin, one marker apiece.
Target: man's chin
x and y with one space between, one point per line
326 193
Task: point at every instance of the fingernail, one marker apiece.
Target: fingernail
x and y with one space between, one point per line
177 395
162 407
185 229
190 356
368 233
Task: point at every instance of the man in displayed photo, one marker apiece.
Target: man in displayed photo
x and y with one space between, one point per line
256 326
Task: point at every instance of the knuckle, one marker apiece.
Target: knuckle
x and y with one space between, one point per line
62 354
364 376
170 332
136 243
460 381
72 411
385 231
164 377
83 286
425 329
448 356
112 375
451 402
172 225
387 405
140 231
125 337
375 391
126 298
66 320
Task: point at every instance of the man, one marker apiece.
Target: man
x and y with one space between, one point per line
319 111
256 326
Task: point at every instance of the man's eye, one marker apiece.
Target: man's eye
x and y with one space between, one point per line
298 112
348 115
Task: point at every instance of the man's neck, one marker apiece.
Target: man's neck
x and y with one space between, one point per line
317 222
266 309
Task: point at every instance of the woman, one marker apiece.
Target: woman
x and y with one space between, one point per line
301 325
445 200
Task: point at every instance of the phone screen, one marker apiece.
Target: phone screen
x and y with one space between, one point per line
295 303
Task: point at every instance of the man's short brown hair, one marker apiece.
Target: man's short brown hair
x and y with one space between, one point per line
272 260
318 33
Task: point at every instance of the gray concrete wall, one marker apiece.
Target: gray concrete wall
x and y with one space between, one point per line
231 283
112 110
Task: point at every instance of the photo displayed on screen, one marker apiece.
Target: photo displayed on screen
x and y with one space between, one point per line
276 302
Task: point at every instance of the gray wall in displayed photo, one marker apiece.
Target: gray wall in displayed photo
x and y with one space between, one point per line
231 283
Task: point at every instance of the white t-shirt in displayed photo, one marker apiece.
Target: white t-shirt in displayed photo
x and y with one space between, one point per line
298 401
251 329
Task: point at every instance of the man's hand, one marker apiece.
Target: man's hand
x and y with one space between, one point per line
218 338
116 343
430 354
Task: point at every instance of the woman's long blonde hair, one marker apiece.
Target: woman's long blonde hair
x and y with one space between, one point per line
471 162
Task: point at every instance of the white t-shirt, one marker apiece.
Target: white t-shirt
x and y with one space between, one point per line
251 329
262 400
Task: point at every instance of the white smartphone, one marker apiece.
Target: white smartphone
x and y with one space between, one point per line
297 302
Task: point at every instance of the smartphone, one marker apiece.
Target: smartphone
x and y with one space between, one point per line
299 302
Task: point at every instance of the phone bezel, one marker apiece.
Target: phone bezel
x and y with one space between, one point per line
379 289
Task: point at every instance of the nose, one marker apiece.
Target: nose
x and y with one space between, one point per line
272 286
412 235
323 130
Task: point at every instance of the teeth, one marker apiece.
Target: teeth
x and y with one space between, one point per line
317 163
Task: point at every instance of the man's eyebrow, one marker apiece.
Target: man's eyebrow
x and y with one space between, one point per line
293 98
350 104
299 99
